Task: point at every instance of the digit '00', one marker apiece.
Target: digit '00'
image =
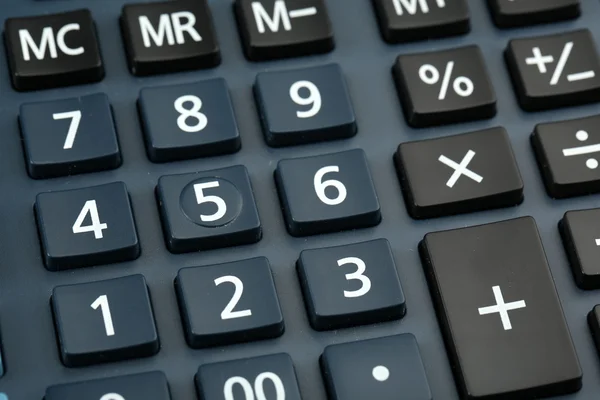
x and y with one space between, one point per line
112 396
259 387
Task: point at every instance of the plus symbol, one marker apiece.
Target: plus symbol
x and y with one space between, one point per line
540 60
502 308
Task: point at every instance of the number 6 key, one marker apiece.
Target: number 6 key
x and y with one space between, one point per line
327 193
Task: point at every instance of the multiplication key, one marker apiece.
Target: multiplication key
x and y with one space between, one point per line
444 87
554 71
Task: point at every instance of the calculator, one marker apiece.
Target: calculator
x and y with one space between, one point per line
300 199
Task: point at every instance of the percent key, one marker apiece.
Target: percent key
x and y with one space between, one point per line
444 87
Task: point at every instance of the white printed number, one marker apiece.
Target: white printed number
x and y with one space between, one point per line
97 227
102 302
228 312
188 116
112 396
219 202
320 186
313 99
259 387
75 117
358 275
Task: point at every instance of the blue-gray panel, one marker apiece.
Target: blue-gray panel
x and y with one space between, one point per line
28 340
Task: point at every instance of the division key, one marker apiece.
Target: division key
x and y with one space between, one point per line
499 312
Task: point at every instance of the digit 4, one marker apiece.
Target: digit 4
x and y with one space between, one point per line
97 227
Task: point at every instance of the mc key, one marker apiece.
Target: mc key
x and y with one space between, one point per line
554 71
444 87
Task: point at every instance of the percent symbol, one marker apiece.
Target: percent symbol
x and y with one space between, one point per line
462 85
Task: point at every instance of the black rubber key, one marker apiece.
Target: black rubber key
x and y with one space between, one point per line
208 210
458 174
499 312
566 154
510 13
554 71
444 87
327 193
272 29
405 21
351 285
53 50
581 236
388 368
273 376
87 226
104 321
594 324
70 136
145 386
229 303
169 37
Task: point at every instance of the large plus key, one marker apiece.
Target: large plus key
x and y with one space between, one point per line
499 312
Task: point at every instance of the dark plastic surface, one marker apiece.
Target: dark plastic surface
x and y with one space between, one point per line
29 346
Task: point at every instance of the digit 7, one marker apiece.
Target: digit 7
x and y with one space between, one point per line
73 126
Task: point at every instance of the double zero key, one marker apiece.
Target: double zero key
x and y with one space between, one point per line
444 87
499 311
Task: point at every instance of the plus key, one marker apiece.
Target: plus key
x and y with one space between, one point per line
554 71
499 312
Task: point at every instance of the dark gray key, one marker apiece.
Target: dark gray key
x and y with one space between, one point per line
459 174
593 319
566 154
351 285
554 71
499 311
581 236
388 368
405 21
53 50
273 376
327 193
276 29
229 303
146 386
444 87
87 226
70 136
169 36
104 321
208 209
510 13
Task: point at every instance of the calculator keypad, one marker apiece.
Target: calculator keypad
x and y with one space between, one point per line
554 71
351 285
304 105
188 121
169 37
68 137
268 377
405 21
87 226
53 50
145 386
229 303
209 209
444 87
104 321
272 29
327 193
